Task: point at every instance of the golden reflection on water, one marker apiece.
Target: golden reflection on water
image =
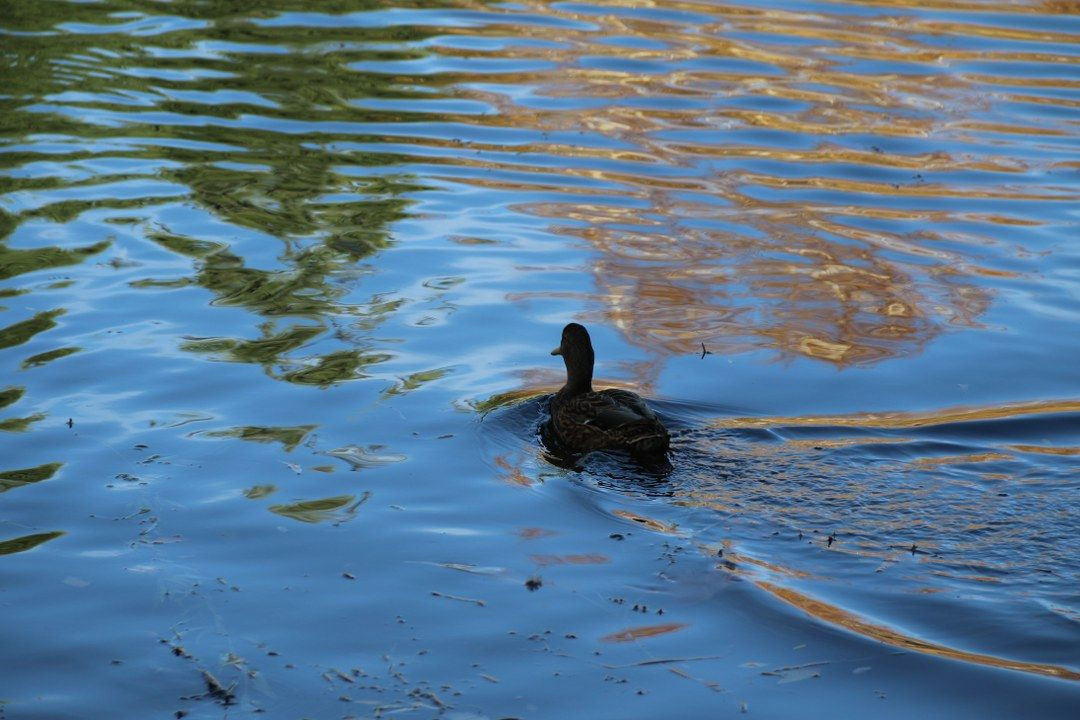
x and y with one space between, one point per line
809 276
910 419
732 169
957 518
644 631
837 616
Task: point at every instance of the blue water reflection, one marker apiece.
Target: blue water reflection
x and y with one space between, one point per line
277 290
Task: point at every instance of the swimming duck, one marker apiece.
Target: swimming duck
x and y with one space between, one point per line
583 419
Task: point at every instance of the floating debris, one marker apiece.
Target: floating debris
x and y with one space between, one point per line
436 593
465 567
216 690
664 661
359 457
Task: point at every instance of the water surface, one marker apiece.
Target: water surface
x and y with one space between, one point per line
277 290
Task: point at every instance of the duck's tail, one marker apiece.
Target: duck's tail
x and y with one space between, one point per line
649 440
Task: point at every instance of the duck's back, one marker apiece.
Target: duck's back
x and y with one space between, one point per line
608 420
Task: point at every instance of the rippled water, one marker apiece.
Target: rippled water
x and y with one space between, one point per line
278 283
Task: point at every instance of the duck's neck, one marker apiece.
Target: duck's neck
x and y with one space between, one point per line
578 374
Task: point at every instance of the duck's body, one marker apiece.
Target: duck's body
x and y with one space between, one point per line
583 419
607 420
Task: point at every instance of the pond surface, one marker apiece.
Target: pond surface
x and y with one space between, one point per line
278 283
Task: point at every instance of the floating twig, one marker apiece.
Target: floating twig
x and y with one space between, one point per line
715 687
436 593
662 661
789 668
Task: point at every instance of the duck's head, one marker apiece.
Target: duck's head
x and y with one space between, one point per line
577 352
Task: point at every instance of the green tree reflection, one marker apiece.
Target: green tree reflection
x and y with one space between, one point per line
240 118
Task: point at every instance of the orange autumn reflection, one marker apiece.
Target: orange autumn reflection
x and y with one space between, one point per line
644 631
512 474
798 293
899 420
952 500
837 616
768 178
652 524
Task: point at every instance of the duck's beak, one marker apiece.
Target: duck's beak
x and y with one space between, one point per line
557 351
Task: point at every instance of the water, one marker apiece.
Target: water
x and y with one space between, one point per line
278 290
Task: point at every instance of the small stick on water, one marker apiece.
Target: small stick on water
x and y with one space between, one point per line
661 661
481 603
789 668
705 352
707 683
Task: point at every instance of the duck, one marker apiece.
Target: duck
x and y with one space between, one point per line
583 419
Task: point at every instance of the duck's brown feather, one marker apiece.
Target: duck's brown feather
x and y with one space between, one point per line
607 420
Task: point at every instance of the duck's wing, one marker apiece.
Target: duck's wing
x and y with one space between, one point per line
619 408
630 401
610 419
